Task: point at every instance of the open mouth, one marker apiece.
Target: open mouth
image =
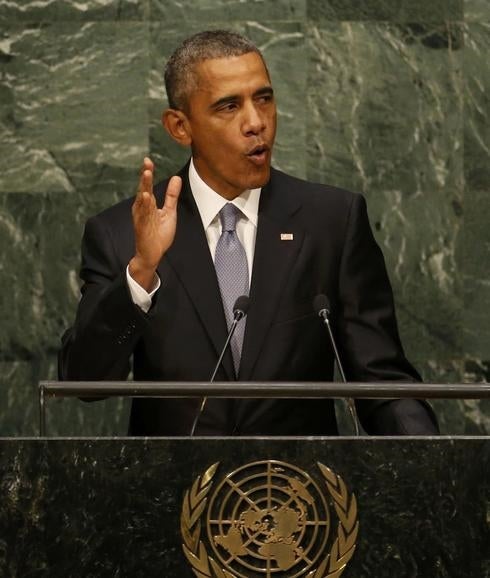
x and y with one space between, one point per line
258 153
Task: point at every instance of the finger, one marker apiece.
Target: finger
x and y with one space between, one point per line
146 182
172 194
143 201
148 163
141 209
146 166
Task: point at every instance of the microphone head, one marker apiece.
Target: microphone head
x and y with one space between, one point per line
241 306
321 304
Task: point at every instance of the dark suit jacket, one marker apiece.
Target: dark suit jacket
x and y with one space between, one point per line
332 252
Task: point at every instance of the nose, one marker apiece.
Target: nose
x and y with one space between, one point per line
254 120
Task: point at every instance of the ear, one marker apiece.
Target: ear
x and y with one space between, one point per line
176 124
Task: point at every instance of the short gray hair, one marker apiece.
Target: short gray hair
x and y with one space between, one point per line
180 70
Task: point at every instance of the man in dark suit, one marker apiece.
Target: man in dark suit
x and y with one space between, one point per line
154 289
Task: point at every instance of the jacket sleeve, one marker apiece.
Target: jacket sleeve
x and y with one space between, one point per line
108 325
369 339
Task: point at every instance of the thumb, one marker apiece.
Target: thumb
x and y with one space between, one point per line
172 193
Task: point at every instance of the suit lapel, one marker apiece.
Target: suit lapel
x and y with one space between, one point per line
273 259
191 260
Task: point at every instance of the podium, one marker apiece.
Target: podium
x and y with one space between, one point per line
322 507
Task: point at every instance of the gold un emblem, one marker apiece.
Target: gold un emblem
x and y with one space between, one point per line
268 519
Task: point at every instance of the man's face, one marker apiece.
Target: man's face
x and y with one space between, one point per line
232 122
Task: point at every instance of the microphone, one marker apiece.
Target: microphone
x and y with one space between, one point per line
240 310
322 307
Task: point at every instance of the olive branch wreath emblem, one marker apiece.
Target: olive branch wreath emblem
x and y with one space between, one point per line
204 566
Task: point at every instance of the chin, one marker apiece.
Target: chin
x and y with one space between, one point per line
259 180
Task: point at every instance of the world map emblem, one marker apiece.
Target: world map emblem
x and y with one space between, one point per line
269 519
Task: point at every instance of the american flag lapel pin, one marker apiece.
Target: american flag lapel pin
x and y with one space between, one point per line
287 236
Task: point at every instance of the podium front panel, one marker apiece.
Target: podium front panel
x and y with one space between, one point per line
252 507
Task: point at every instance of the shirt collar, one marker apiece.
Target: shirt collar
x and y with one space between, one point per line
210 203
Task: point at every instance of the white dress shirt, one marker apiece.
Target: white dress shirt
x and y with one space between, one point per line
209 204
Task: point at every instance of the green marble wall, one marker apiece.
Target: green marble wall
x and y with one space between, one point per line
388 97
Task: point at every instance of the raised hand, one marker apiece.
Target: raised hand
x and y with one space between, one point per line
154 228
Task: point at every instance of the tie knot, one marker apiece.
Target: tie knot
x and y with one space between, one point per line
229 215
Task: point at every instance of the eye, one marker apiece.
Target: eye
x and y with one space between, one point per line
228 107
265 98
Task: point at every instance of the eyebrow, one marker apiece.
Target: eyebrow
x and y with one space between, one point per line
266 90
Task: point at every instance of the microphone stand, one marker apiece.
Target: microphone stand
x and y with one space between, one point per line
323 313
238 314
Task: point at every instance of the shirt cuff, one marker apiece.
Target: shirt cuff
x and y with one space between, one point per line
140 296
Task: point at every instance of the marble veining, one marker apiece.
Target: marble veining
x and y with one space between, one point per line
385 97
112 507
